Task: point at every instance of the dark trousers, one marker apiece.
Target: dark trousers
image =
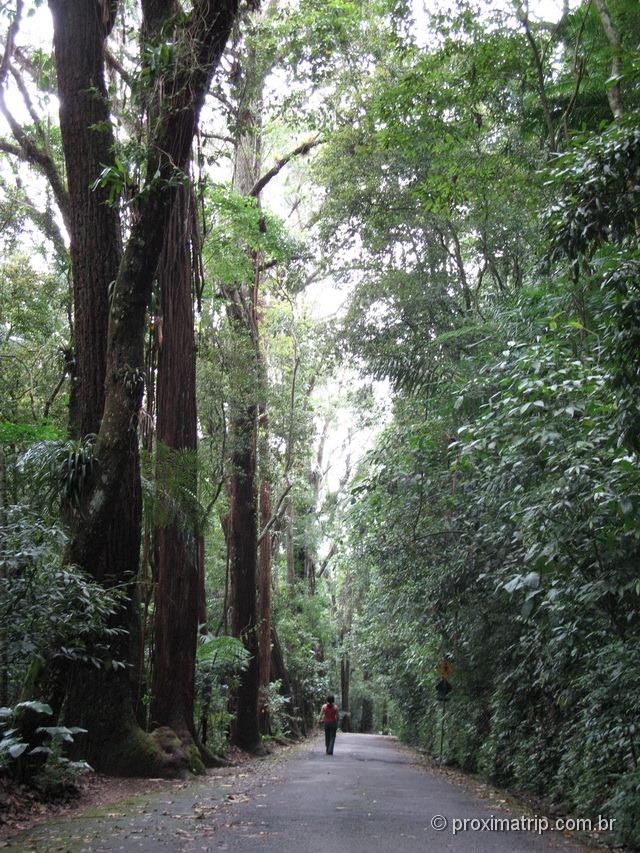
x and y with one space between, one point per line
330 730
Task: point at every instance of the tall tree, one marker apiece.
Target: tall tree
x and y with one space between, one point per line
197 42
177 562
242 313
176 542
96 251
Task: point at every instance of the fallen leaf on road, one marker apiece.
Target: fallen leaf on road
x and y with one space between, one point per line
238 798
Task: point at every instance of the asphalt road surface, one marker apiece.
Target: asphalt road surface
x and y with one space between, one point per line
369 797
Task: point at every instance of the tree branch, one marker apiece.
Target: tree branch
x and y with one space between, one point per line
218 136
54 394
614 95
26 98
276 515
325 562
10 148
301 150
14 26
45 220
114 63
29 151
523 17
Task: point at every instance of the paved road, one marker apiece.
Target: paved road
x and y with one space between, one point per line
367 798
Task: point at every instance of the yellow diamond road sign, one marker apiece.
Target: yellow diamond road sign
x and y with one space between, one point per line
445 669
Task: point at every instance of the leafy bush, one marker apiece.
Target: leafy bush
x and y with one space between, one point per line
49 611
219 661
33 752
278 708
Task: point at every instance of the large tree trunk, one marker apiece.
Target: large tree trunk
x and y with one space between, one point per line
245 731
176 542
101 699
242 311
95 244
94 232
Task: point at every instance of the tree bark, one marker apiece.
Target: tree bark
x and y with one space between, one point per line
245 731
345 682
242 313
265 586
102 699
614 94
178 587
95 247
4 628
366 718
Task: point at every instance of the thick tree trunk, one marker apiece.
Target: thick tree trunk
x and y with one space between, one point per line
87 140
101 699
205 33
176 543
245 731
242 312
94 234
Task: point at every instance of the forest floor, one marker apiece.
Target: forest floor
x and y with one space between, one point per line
373 796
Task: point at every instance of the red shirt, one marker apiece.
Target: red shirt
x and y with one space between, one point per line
330 713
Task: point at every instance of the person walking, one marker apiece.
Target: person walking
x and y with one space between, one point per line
330 716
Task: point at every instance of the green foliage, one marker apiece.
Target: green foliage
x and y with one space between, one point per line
241 228
61 469
34 753
512 548
219 662
33 342
170 492
305 632
495 522
50 612
278 708
594 226
13 744
20 434
222 655
600 202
